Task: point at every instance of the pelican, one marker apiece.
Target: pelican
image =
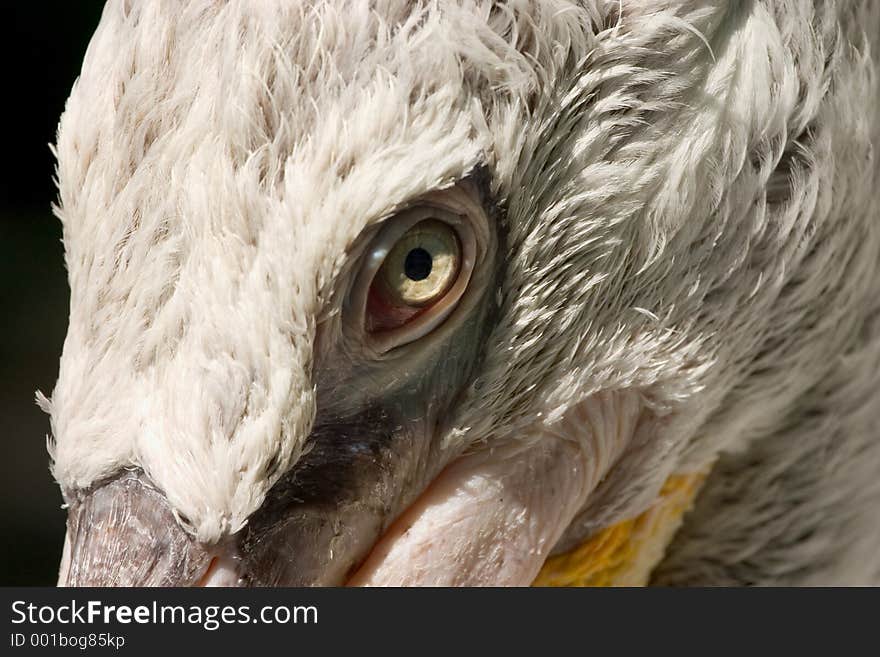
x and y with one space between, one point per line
461 293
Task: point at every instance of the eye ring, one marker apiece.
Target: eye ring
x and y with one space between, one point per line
436 308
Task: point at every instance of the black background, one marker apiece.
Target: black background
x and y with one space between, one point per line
42 51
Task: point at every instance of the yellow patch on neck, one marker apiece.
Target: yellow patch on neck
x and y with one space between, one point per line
626 553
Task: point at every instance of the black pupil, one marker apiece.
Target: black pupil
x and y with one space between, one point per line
417 265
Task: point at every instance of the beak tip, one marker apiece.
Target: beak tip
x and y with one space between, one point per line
124 533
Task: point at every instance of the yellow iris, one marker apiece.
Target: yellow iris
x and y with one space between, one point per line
422 265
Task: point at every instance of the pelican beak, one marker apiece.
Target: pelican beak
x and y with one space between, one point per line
123 533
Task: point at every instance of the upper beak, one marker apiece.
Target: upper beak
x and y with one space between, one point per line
466 529
124 533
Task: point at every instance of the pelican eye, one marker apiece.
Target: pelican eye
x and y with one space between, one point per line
417 270
421 266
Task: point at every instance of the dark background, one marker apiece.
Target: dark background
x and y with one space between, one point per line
42 53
